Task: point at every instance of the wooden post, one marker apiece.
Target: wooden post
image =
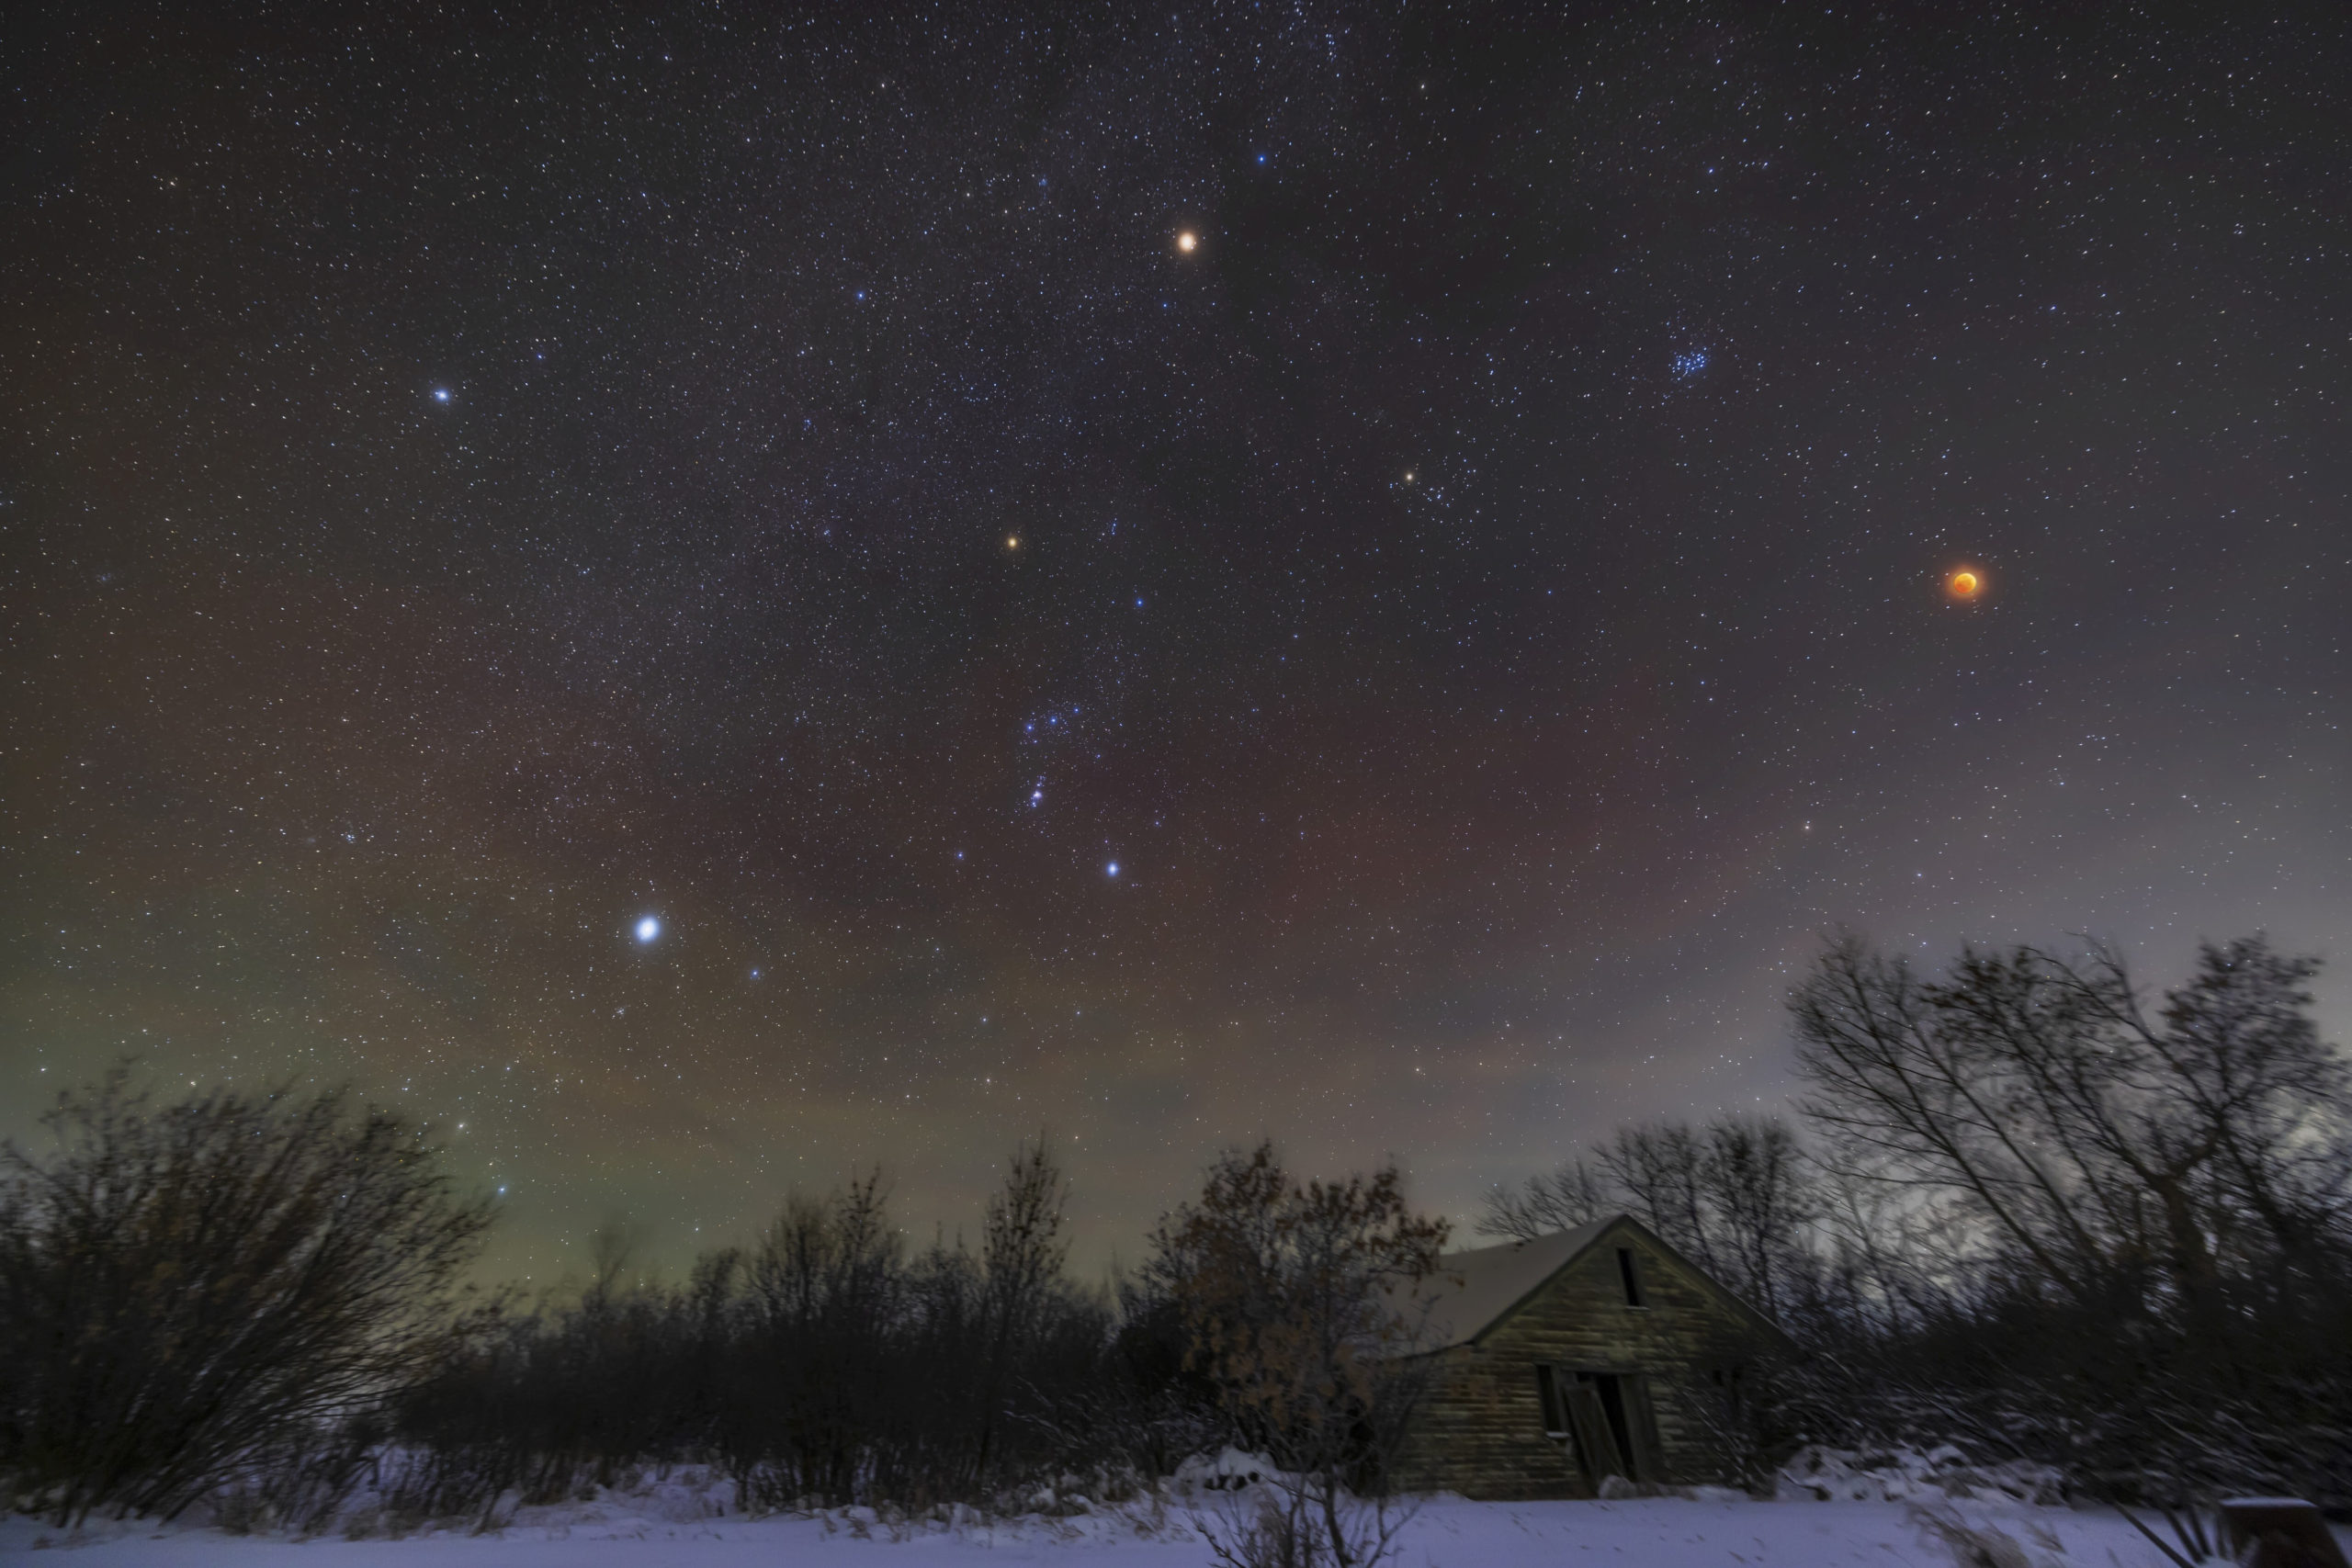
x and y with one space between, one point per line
2280 1532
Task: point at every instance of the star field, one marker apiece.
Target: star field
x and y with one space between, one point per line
706 598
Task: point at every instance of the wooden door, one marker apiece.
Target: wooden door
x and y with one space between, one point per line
1596 1444
1641 1428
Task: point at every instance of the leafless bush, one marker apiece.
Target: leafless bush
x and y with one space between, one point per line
1261 1526
1294 1520
1972 1546
190 1291
301 1482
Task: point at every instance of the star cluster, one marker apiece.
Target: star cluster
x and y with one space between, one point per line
709 596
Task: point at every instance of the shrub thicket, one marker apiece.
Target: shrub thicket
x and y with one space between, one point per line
190 1291
826 1365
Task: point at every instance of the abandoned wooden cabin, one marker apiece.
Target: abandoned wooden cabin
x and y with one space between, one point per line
1575 1356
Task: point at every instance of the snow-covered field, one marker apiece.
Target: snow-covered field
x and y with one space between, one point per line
645 1531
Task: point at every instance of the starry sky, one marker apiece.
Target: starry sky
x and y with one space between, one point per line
706 596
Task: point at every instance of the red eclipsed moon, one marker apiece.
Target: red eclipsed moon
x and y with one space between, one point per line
1965 584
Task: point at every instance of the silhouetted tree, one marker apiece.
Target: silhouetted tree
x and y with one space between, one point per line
1574 1195
2152 1164
1735 1196
185 1289
2109 1234
1293 1301
1023 1250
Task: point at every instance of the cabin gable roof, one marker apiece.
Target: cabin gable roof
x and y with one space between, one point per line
1475 1292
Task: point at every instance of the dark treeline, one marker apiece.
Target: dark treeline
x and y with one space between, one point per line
825 1365
252 1301
2023 1210
2029 1214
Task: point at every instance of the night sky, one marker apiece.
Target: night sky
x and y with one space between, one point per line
1412 670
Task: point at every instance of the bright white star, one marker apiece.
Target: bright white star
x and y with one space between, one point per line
1113 868
440 394
648 929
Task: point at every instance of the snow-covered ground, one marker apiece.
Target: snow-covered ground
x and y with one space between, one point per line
655 1529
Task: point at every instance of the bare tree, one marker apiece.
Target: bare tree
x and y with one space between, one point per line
184 1288
2109 1233
2116 1156
612 1248
826 1292
1573 1195
1660 1171
1023 1248
1758 1202
1737 1196
1862 1276
1288 1295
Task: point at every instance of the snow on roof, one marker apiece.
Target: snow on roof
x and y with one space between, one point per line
1471 1289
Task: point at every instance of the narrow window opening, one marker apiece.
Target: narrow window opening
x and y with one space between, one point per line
1556 1414
1632 1275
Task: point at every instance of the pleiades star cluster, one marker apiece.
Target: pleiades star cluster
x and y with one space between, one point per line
708 596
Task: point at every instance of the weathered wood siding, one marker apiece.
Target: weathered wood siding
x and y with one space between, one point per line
1480 1431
